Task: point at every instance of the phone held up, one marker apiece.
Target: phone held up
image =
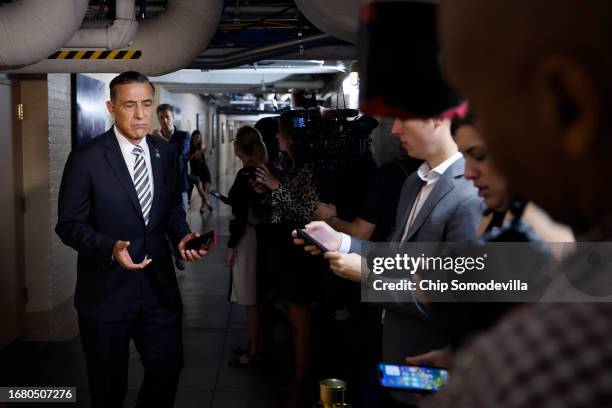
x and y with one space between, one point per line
412 378
204 242
309 239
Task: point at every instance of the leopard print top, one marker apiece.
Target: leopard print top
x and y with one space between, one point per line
295 199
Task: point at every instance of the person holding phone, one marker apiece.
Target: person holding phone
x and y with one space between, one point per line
437 204
241 253
119 198
297 277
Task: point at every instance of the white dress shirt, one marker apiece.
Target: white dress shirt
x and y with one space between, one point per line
430 177
126 150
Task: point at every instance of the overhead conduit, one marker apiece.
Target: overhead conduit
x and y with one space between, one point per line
339 18
164 44
114 36
31 30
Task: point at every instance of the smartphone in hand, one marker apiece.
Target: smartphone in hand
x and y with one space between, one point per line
412 378
310 240
203 242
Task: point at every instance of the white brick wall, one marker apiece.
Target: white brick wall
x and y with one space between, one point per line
62 259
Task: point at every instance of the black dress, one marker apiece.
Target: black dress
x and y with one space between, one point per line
198 164
297 275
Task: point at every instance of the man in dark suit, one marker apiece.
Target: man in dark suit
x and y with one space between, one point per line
181 141
119 199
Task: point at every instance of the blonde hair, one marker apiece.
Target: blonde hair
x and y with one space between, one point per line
249 141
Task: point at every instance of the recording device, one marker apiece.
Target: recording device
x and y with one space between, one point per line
412 378
203 242
309 239
331 135
220 197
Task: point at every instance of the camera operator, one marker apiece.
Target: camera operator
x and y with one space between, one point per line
376 216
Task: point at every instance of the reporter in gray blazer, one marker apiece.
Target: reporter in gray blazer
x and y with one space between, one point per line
437 204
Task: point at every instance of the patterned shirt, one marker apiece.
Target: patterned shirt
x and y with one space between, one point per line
544 355
295 199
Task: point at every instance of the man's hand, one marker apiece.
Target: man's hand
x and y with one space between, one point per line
441 358
326 235
325 212
347 266
190 255
230 257
123 258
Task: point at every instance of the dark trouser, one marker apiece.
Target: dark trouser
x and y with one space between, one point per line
156 331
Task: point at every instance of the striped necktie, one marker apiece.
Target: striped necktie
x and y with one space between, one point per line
141 183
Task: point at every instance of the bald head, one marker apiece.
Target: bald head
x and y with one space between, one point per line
539 75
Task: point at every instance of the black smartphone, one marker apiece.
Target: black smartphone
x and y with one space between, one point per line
311 240
220 197
203 242
412 378
249 172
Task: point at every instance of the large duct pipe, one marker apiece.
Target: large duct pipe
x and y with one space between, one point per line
34 29
339 18
114 36
238 58
167 43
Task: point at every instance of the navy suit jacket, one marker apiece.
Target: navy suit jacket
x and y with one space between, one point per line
98 206
182 142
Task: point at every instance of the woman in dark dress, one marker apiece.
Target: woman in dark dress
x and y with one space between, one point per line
199 168
297 276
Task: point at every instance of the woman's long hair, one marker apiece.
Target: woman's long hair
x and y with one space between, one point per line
199 142
249 141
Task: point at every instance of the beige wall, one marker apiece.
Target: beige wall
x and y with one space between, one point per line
50 266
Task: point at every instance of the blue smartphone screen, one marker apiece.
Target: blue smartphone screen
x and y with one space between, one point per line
412 378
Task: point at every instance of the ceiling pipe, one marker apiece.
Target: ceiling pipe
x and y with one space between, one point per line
31 30
238 58
339 18
118 34
166 43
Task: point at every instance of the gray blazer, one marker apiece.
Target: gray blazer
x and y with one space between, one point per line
451 213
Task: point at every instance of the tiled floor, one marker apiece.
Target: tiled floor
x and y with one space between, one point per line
212 328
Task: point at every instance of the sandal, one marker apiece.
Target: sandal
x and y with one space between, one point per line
249 359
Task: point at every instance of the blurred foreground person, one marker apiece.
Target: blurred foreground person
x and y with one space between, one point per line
553 77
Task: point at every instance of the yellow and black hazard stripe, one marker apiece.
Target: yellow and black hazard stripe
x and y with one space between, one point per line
96 55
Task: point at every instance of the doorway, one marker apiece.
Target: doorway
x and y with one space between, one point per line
12 280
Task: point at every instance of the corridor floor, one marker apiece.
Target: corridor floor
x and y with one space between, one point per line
212 328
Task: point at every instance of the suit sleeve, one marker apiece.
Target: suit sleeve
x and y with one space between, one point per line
177 224
356 246
463 225
74 204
